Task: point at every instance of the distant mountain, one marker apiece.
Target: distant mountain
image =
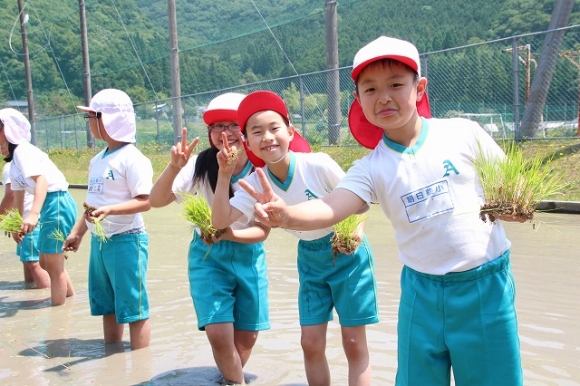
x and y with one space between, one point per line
226 43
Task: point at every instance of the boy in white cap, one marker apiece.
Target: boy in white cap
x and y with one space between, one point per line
328 281
120 179
457 289
227 274
32 171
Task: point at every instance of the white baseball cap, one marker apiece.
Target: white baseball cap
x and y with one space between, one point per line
223 108
386 48
117 113
364 132
16 126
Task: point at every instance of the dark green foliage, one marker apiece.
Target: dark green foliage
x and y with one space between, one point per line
228 43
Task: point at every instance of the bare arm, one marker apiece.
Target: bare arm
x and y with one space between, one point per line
308 215
135 205
161 194
73 240
222 213
8 199
254 234
40 190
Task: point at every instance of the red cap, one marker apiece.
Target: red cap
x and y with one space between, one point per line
365 133
263 100
369 135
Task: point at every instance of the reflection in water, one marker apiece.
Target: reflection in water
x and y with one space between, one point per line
63 345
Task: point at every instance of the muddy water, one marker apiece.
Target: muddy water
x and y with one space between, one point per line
42 345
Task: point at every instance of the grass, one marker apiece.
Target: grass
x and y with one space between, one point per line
556 154
346 234
11 221
196 210
516 184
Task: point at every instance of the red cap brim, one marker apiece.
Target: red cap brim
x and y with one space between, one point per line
298 145
369 135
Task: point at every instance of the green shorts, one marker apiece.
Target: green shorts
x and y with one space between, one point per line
27 249
228 284
346 283
461 320
58 215
118 277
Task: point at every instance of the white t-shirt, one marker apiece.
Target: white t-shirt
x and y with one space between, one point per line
310 176
29 161
115 178
28 198
183 183
432 195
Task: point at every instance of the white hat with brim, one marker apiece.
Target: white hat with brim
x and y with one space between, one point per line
16 126
364 132
117 114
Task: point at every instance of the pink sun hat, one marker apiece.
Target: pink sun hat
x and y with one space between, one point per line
365 133
267 100
117 113
16 126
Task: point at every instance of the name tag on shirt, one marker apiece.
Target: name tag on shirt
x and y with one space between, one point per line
429 201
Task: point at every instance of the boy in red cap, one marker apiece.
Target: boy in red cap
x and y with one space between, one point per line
327 282
457 290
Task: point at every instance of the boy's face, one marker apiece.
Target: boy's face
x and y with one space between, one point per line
268 135
388 95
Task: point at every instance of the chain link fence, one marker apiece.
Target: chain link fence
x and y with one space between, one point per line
487 82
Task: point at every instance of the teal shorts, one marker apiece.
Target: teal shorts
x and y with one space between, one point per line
461 320
118 277
346 283
58 215
27 249
228 284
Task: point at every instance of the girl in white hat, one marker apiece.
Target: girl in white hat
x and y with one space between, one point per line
32 171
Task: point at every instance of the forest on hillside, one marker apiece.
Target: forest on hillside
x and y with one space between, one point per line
227 43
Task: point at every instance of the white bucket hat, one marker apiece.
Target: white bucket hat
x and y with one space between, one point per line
117 113
16 126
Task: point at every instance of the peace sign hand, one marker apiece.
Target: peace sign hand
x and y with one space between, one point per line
269 209
181 151
227 157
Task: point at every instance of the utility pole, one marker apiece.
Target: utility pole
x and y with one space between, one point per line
526 61
545 71
574 57
28 75
332 80
86 68
175 76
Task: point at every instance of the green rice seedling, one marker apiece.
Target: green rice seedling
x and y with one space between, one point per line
514 185
11 221
98 229
196 210
346 234
59 236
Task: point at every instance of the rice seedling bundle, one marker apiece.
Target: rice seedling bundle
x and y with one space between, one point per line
59 236
196 210
98 229
515 185
11 221
346 234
